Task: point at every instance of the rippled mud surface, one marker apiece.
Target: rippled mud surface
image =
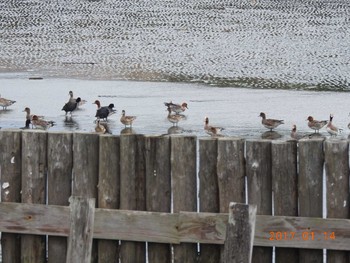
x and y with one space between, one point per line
288 44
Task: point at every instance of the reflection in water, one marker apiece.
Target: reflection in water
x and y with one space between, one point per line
102 127
314 135
175 130
271 135
7 111
128 130
70 123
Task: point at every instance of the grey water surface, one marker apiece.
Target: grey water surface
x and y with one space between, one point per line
235 109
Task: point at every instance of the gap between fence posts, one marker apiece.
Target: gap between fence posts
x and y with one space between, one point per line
238 247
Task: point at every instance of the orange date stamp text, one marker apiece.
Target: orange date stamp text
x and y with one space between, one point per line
302 236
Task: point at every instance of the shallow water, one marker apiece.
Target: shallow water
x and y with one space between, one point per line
291 44
235 109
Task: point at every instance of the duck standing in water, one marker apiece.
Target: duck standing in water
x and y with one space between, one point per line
314 124
70 106
105 111
29 116
331 128
177 108
270 123
174 118
4 103
41 124
100 128
212 130
127 120
72 99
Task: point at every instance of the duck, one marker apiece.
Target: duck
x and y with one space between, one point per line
295 135
105 111
4 103
314 124
26 125
174 118
270 123
30 116
41 124
211 130
331 128
70 106
100 128
177 108
72 99
127 120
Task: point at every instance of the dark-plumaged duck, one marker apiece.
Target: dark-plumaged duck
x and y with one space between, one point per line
72 99
105 111
70 106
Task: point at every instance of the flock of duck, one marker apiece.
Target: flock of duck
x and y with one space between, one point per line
175 115
102 114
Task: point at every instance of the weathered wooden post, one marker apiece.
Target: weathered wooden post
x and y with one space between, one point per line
208 192
85 169
34 165
184 186
310 180
230 172
158 188
81 230
240 230
337 174
259 177
109 190
132 184
285 189
59 183
11 164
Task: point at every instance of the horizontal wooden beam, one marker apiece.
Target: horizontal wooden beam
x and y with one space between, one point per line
210 228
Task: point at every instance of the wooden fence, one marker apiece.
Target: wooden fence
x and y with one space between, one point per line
167 180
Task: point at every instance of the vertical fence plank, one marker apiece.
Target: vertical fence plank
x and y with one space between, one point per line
82 215
310 181
109 191
184 182
85 170
259 177
10 170
337 173
59 182
130 192
285 189
231 173
208 192
158 188
240 233
34 165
